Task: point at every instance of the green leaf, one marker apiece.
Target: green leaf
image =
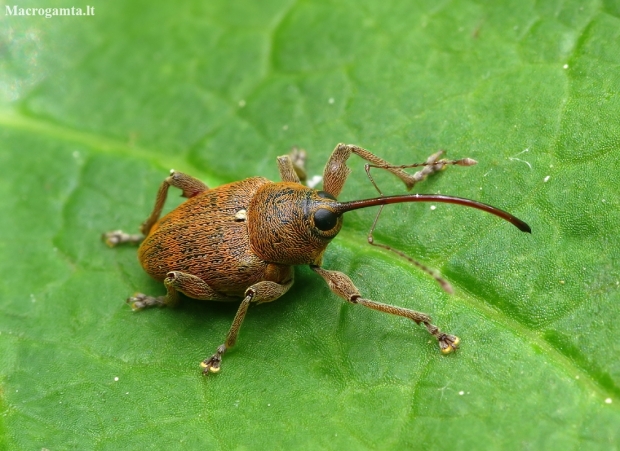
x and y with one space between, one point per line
94 111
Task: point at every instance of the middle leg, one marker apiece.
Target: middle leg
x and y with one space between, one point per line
258 293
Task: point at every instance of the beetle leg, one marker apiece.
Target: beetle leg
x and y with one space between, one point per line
341 285
175 282
287 170
336 170
258 293
190 187
430 166
292 167
298 157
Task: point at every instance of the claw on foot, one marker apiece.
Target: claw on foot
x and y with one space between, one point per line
448 343
140 301
213 363
136 301
118 236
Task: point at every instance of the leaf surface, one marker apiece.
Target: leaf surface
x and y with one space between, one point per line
95 110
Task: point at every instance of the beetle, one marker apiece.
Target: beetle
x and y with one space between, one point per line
243 239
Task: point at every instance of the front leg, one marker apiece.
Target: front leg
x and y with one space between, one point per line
336 170
341 285
258 293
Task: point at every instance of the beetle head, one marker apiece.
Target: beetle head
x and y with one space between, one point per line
291 224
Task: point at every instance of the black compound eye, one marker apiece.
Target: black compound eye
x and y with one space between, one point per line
325 220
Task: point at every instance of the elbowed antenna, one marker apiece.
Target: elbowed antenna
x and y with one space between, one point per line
342 207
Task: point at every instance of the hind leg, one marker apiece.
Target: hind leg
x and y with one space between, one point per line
178 282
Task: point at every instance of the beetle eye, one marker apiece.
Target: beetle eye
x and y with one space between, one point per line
325 220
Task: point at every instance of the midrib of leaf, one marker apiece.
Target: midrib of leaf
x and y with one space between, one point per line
16 121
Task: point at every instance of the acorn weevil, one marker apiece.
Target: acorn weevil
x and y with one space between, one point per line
241 240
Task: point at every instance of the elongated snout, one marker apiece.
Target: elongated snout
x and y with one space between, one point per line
343 207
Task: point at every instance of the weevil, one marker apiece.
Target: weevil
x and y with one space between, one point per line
242 240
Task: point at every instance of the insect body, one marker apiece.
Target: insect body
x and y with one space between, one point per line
241 240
